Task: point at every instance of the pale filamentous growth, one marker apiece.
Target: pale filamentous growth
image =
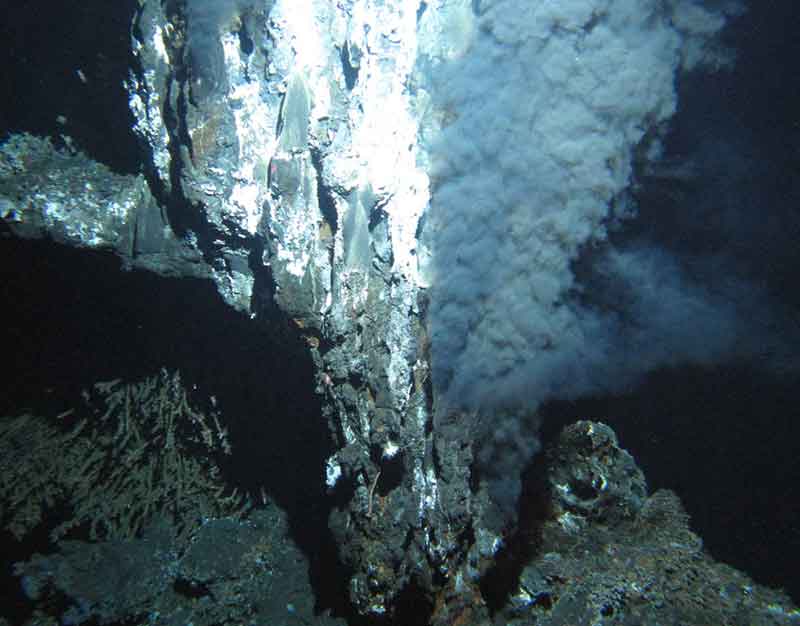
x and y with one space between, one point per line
135 458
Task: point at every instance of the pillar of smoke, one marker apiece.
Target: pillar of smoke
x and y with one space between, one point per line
543 113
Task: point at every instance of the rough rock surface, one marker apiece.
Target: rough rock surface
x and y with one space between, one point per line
78 202
594 548
231 572
282 161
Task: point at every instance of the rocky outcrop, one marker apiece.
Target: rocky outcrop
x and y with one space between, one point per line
288 146
282 160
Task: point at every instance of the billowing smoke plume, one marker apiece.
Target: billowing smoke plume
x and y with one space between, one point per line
545 115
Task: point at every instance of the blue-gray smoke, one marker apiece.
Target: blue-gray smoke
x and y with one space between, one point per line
544 114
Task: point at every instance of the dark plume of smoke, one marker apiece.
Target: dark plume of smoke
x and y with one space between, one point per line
553 274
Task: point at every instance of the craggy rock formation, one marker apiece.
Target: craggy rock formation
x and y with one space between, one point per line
648 569
601 551
591 548
273 171
281 144
231 573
